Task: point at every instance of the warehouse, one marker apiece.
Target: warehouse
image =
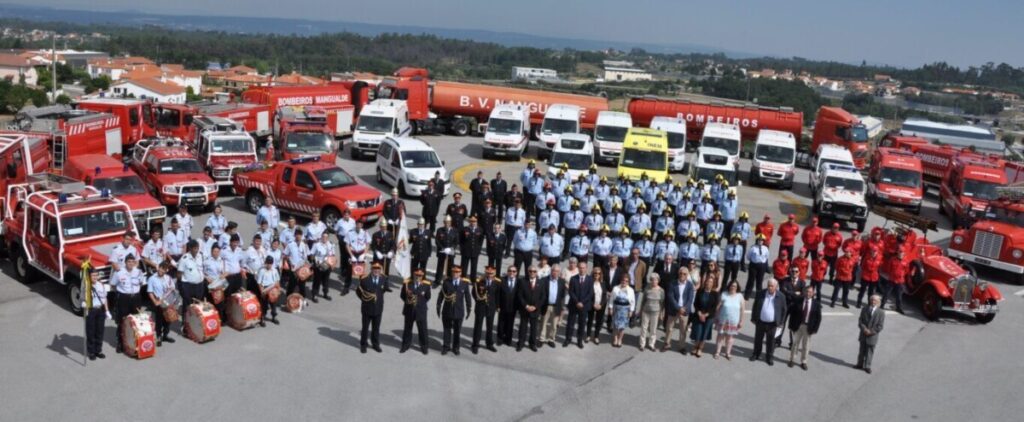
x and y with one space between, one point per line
625 74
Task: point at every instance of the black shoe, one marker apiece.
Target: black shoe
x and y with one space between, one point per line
444 352
899 310
858 366
858 305
377 349
790 364
552 344
159 343
403 349
424 350
314 300
492 349
565 344
168 340
868 370
579 344
533 348
456 352
754 358
275 321
92 357
328 297
846 306
474 349
344 292
263 324
803 366
101 355
519 348
362 349
771 363
117 350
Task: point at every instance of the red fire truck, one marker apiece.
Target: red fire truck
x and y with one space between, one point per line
894 178
303 132
172 173
21 155
110 174
71 132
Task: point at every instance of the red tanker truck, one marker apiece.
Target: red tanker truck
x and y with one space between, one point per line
833 125
462 108
750 118
334 99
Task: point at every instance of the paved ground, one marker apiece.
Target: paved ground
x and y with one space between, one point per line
310 368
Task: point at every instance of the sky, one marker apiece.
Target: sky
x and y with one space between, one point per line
898 32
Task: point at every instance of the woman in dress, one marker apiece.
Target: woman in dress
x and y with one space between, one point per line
730 310
601 294
715 274
623 304
705 303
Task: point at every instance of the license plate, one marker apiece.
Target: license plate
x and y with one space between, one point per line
982 261
843 216
198 200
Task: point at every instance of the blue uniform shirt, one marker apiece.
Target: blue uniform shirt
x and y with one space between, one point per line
664 224
579 245
733 253
692 251
632 204
548 218
639 222
709 252
705 211
551 246
683 209
659 207
525 240
646 248
542 200
601 246
758 254
565 203
728 209
743 229
573 219
716 228
615 221
515 217
621 246
665 248
594 222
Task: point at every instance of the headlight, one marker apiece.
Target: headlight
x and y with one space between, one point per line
412 178
958 239
881 195
210 188
828 205
862 211
350 204
170 189
972 213
1017 253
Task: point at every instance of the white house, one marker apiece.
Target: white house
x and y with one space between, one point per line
533 74
185 78
622 74
151 88
14 67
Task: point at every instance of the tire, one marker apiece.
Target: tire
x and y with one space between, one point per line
356 155
22 270
74 294
931 304
380 176
985 318
917 211
917 275
330 216
254 201
460 128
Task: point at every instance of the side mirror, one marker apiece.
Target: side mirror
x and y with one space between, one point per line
52 239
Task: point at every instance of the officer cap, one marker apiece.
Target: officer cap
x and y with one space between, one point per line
472 219
376 266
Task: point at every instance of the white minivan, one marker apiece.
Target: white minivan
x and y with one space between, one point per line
558 119
609 132
508 131
378 120
774 159
675 127
725 136
576 152
408 164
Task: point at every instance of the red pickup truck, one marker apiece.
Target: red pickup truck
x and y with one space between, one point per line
173 175
305 185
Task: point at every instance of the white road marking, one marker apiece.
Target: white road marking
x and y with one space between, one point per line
1019 293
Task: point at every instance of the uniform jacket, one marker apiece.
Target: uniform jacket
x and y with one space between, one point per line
375 306
486 299
452 302
422 293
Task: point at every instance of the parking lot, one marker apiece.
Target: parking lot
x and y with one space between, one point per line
309 367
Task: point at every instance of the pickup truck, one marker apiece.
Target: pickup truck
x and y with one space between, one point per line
170 170
304 185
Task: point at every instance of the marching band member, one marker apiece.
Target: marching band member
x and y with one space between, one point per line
276 252
122 250
158 287
287 235
324 258
269 214
224 240
371 293
128 281
185 220
154 251
176 239
268 278
356 243
97 316
215 271
453 306
485 297
217 222
314 229
191 273
253 262
382 243
415 297
297 255
265 232
234 257
345 225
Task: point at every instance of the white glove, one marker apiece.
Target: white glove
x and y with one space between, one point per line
378 255
391 255
109 316
353 259
447 251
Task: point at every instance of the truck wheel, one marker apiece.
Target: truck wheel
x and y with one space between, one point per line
916 275
931 305
22 270
355 153
460 128
74 291
985 318
331 216
254 201
917 211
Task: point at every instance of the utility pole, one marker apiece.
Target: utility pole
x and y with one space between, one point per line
53 62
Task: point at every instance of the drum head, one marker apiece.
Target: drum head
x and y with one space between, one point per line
171 314
217 295
294 302
273 295
358 269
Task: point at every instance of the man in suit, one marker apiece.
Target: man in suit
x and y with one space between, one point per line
804 321
486 294
871 322
551 305
581 299
769 311
496 242
637 270
446 240
669 272
499 188
472 241
678 307
371 293
530 295
476 189
430 199
453 306
415 297
507 306
419 239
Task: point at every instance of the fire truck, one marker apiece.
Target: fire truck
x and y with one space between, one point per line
997 240
222 147
302 132
71 132
21 155
52 224
894 178
172 173
135 117
111 174
334 100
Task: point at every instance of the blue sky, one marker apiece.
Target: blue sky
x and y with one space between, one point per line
899 32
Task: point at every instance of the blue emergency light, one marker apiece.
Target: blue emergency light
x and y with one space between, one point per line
98 170
62 198
309 159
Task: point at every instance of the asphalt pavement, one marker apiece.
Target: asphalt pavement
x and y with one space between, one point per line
309 367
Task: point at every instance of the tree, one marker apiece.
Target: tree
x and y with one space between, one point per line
190 95
63 99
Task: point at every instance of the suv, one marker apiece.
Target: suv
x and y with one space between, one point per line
408 164
222 147
52 224
172 173
827 154
840 196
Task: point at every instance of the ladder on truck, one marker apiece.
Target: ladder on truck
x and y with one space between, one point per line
60 149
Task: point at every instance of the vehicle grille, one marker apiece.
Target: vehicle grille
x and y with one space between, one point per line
192 190
987 244
368 203
963 289
845 209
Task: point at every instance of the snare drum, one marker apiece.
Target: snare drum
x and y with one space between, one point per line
304 273
202 322
171 314
139 336
243 310
294 302
358 269
273 295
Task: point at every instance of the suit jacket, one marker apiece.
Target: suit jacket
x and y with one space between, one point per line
375 306
672 298
485 299
581 290
499 187
431 201
507 300
668 275
559 296
612 278
796 316
536 296
454 302
446 238
780 307
422 293
640 276
875 323
420 243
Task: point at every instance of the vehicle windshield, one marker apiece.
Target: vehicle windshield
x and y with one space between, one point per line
708 174
309 142
644 160
844 184
676 140
504 126
420 159
826 161
94 224
558 126
375 124
232 146
978 189
333 178
573 161
1004 215
180 166
859 134
731 146
125 185
774 154
610 133
900 177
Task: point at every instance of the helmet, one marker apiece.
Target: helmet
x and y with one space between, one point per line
593 166
692 235
661 195
744 215
625 230
712 237
647 233
604 228
531 163
669 233
759 237
576 203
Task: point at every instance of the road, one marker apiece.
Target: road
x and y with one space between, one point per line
309 367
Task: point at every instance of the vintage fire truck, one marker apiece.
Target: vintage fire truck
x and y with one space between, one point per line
52 224
108 173
172 173
997 239
223 147
305 185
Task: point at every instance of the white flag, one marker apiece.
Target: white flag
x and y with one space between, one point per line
403 255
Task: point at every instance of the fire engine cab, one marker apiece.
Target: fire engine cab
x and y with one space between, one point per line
172 174
997 240
971 181
21 155
108 173
52 224
223 147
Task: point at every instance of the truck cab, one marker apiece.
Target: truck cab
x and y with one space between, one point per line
378 120
835 126
970 183
574 153
508 131
109 174
172 173
839 196
996 241
774 160
711 162
675 128
223 147
52 224
172 120
21 155
825 155
135 116
644 151
895 178
724 136
304 132
609 132
559 119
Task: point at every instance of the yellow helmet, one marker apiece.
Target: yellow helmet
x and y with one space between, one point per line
568 188
595 208
744 214
593 166
661 194
670 233
692 235
532 162
565 166
604 227
718 176
604 179
576 202
712 236
686 194
625 230
647 233
707 195
725 183
678 184
616 207
759 237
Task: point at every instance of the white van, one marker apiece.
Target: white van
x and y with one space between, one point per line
378 120
576 151
828 154
407 164
508 131
710 162
774 158
675 127
609 132
559 119
725 136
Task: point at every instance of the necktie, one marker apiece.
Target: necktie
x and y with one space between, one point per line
807 311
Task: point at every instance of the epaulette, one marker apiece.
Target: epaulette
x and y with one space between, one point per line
425 282
465 280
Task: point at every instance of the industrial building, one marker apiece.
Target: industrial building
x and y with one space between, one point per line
532 74
625 74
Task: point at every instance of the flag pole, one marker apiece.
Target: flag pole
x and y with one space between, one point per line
87 298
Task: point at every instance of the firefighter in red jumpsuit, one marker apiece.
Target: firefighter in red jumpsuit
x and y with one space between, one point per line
844 277
898 268
832 241
812 237
788 232
780 267
869 266
766 229
819 269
